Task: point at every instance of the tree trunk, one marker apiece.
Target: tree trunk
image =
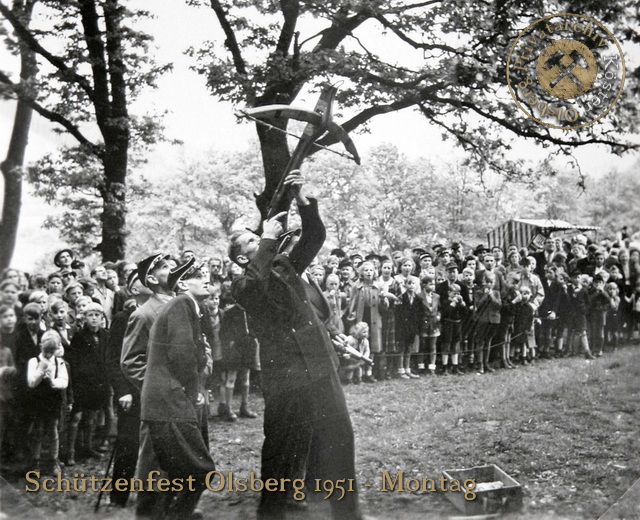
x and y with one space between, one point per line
275 156
114 212
11 167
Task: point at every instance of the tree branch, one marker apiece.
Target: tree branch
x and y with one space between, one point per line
52 116
290 10
68 74
529 133
114 56
95 47
231 42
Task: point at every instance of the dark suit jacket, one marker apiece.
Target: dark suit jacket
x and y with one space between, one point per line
175 360
295 348
120 384
133 359
409 317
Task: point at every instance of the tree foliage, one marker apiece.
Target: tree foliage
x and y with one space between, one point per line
197 208
93 64
445 59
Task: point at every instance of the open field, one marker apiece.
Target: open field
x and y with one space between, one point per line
567 430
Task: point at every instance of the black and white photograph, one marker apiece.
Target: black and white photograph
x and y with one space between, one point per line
300 260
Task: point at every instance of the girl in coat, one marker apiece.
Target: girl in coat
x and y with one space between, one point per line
365 306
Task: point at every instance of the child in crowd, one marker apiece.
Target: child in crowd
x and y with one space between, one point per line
467 291
599 304
389 293
456 311
47 378
523 315
351 368
612 322
578 308
487 319
58 317
7 367
87 358
8 322
337 301
42 299
407 266
408 323
73 291
634 300
430 329
364 305
81 305
9 292
239 357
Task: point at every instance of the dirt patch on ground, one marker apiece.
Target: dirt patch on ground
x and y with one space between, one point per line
567 430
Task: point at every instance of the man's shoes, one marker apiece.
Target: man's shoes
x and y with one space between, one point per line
589 356
196 514
487 368
246 413
369 379
412 375
404 376
225 413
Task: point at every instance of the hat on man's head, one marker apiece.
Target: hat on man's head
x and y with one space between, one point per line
372 256
338 252
56 258
451 265
132 278
444 251
148 264
455 246
480 248
183 272
418 250
426 254
345 262
356 256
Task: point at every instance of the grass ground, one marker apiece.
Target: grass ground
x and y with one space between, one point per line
567 430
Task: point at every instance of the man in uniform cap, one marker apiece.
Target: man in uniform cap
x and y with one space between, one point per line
128 440
153 273
172 390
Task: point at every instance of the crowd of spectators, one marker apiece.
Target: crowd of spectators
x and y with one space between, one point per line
429 311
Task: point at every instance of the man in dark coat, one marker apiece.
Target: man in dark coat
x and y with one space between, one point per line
153 272
128 409
171 390
305 410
